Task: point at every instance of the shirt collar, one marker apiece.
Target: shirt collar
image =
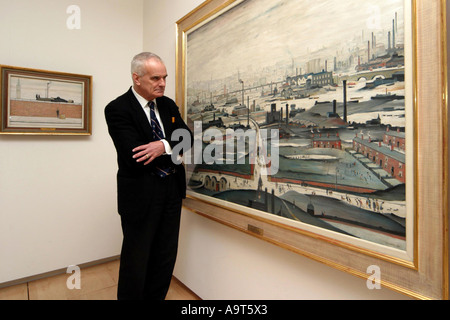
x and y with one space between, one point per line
142 101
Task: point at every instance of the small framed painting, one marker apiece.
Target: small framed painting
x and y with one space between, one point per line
37 102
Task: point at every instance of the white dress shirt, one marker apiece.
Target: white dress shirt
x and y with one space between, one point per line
144 104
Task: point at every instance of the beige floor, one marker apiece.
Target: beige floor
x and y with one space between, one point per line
97 283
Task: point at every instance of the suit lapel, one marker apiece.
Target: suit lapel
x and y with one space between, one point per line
140 115
164 114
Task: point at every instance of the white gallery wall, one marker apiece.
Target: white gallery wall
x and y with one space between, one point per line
58 193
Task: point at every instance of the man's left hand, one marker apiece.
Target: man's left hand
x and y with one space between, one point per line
149 152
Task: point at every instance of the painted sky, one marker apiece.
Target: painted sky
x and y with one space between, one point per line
30 87
259 33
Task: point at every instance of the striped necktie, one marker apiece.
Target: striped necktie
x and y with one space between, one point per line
157 135
157 131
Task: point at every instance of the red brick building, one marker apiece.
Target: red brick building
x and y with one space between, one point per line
326 141
30 108
386 154
395 138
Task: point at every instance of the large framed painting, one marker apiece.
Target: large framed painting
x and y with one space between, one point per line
320 126
39 102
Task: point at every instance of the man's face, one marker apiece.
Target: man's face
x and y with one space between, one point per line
153 83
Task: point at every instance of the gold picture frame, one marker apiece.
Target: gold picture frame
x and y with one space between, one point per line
39 102
423 273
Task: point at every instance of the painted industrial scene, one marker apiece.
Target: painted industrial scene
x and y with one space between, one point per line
339 118
42 103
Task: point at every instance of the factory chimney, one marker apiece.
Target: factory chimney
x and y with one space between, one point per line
248 112
389 40
345 100
273 201
393 34
287 114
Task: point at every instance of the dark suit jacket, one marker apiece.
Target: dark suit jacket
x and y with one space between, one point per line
129 128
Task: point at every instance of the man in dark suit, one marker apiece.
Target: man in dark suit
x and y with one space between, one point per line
150 186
